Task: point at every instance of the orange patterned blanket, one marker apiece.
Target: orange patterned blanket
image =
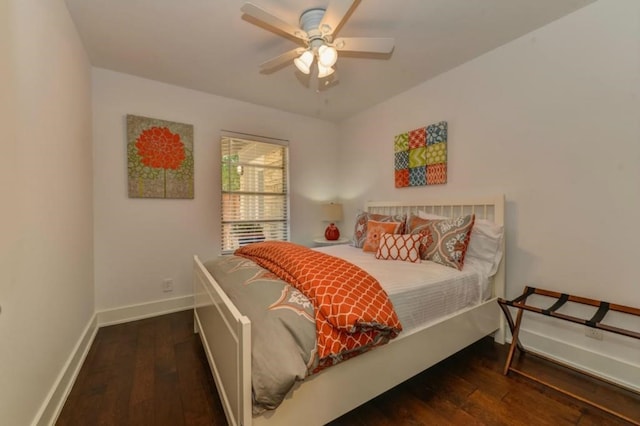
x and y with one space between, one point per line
352 311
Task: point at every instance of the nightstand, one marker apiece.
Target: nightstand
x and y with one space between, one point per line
323 242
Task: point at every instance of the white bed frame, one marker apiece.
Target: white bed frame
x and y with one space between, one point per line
226 337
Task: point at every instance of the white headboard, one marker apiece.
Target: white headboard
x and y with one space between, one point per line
491 208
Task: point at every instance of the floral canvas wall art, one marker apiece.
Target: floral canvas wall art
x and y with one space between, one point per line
160 158
420 156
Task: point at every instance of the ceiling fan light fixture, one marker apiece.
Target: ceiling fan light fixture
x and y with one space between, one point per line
303 63
327 56
324 71
316 37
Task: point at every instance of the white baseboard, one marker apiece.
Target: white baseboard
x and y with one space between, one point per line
144 310
52 406
607 367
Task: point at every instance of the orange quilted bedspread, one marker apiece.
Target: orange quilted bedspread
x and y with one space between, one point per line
352 310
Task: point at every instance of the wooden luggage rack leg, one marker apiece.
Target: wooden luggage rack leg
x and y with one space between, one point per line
595 322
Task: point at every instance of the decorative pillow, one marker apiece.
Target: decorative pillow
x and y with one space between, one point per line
444 241
360 230
485 243
375 229
399 247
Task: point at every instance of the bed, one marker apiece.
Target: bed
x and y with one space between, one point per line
226 337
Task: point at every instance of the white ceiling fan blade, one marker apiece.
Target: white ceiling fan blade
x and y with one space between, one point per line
336 12
271 20
364 44
281 59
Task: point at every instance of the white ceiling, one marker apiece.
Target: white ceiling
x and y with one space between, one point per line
208 45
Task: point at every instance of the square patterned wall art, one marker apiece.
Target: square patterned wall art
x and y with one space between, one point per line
421 156
160 158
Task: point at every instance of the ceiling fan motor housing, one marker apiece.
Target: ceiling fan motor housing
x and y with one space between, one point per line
310 23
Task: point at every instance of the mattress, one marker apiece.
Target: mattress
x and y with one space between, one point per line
421 293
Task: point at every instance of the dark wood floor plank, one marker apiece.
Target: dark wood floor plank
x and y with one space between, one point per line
541 407
368 414
155 372
447 401
489 381
167 401
80 409
489 411
405 409
144 364
182 326
427 385
595 417
199 404
164 342
142 413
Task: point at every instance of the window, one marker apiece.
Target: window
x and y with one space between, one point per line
255 201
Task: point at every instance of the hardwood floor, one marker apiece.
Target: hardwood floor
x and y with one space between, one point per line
154 372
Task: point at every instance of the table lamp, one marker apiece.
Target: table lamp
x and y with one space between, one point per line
331 213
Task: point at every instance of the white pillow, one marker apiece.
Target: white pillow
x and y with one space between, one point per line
485 243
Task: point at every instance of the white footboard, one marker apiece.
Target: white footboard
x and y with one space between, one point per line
339 389
226 337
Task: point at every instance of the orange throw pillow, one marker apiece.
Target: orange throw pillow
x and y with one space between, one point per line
375 230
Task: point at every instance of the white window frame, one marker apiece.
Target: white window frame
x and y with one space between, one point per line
230 240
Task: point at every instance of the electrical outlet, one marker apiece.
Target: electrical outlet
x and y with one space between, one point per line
167 285
594 333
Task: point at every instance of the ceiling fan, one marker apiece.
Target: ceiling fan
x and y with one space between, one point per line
317 36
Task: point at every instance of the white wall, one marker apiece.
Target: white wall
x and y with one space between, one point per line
140 242
46 244
552 121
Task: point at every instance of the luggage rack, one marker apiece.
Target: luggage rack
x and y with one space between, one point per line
595 322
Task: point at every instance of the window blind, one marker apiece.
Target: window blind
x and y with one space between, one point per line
255 201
